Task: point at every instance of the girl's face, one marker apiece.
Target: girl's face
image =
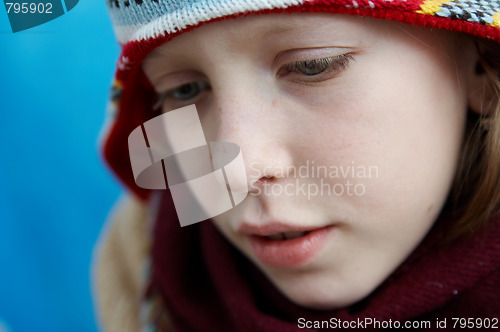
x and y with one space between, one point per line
350 129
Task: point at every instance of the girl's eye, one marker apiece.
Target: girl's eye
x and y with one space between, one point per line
318 67
188 91
184 93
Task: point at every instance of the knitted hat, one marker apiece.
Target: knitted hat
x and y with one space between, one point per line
142 25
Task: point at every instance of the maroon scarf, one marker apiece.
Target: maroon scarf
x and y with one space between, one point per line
207 285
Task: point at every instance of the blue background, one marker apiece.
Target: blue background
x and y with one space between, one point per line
55 192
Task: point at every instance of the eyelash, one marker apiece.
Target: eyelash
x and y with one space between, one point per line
314 70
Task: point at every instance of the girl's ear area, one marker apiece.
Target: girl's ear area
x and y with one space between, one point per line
481 93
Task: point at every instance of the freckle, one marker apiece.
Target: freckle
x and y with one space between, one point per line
274 103
429 209
220 110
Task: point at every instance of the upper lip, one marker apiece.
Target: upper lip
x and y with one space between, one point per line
273 228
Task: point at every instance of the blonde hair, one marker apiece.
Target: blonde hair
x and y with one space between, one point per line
475 195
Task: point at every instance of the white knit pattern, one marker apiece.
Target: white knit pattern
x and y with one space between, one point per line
138 22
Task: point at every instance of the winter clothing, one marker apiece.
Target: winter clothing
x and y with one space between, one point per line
213 287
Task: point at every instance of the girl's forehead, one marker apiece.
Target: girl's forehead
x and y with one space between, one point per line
280 27
275 32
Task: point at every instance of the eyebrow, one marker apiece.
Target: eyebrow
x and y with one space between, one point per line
282 29
296 25
266 31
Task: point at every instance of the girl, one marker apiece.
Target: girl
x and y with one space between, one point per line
371 149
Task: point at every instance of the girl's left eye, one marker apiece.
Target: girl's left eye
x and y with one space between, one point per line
318 68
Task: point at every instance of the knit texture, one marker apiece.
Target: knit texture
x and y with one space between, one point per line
142 25
140 20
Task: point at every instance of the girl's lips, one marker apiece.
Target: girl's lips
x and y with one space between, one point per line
290 253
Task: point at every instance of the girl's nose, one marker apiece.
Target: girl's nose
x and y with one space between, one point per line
256 123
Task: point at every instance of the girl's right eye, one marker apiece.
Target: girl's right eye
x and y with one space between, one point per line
184 94
188 91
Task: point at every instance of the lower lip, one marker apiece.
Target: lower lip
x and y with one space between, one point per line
289 254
